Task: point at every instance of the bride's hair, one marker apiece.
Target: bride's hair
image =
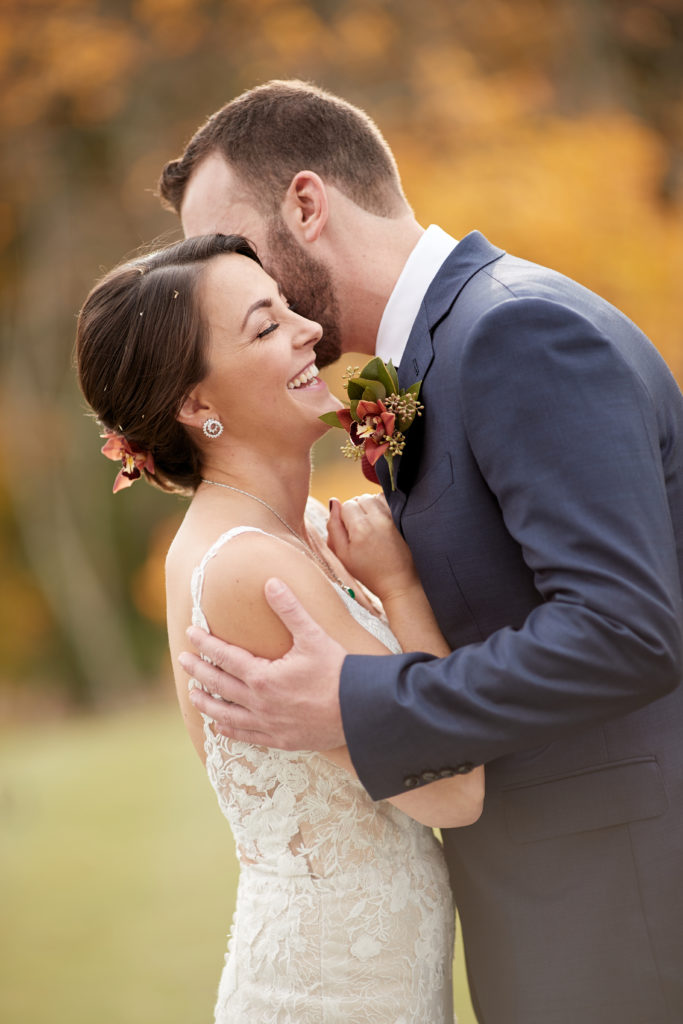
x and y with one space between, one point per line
141 345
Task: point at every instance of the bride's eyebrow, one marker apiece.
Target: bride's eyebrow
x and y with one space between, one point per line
260 304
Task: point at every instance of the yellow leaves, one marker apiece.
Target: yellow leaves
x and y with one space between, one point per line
148 586
72 55
453 93
292 30
26 623
365 34
175 25
646 26
7 223
576 195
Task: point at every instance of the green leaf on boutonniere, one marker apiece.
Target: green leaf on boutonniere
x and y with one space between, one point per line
375 370
371 390
331 419
378 415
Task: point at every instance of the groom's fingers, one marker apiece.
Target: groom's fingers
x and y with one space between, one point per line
227 687
306 633
229 719
234 660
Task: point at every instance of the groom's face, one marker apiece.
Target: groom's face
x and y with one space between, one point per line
215 201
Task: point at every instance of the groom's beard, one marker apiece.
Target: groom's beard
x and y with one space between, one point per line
308 285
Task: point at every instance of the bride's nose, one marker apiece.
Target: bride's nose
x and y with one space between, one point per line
309 332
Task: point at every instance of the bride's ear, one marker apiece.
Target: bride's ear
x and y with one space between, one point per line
194 411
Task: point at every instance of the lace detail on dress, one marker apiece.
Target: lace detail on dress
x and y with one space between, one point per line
344 912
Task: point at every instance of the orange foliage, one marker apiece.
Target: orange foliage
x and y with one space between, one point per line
575 195
556 129
69 53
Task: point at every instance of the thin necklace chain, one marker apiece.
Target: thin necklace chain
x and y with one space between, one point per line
322 562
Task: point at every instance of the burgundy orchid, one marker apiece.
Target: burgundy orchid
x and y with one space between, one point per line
379 413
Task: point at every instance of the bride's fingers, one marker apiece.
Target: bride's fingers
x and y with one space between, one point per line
337 536
374 505
355 517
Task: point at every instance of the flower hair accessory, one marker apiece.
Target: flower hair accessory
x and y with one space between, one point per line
378 415
133 459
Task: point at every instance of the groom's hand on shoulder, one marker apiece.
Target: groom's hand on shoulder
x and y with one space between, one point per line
291 703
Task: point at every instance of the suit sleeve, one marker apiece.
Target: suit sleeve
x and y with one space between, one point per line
566 436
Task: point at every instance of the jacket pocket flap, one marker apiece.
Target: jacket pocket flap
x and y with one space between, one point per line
593 798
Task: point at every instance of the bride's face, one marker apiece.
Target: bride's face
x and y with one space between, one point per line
262 377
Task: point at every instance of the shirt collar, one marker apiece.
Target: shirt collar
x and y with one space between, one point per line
404 303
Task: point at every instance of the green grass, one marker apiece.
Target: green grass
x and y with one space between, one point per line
117 874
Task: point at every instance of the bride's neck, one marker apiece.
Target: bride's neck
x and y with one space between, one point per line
283 485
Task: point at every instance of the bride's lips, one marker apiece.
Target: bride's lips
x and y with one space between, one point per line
305 377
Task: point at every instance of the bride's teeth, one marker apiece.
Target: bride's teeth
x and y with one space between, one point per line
304 378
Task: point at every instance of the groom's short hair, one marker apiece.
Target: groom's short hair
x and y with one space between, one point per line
270 133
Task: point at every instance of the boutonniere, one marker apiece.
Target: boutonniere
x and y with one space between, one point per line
378 415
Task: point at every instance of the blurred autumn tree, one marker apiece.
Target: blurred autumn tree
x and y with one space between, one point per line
555 126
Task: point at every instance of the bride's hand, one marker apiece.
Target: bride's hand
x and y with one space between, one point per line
362 535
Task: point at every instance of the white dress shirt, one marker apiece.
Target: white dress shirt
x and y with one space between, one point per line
420 269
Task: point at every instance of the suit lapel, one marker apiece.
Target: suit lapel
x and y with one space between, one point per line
467 258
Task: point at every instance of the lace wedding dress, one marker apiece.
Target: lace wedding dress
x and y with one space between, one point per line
344 914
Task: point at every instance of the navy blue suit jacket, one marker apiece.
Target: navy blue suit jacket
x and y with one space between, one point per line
541 495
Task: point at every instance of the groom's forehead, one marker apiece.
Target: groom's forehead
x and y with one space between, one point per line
216 200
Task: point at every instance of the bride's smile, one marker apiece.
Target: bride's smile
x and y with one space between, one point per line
307 377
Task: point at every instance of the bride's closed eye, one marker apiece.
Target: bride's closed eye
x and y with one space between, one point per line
274 325
268 330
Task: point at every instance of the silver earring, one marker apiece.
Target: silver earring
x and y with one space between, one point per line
212 428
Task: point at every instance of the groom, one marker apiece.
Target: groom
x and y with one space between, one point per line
542 498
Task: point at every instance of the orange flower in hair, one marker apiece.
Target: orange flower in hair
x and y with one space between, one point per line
133 459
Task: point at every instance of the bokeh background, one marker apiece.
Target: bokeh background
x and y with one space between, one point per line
554 126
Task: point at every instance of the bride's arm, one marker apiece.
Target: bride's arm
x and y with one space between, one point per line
362 534
236 610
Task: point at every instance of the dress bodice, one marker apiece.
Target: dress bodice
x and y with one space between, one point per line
344 912
287 808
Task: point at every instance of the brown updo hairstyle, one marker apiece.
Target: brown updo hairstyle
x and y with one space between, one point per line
141 346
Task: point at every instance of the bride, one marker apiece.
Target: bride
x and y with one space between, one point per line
204 378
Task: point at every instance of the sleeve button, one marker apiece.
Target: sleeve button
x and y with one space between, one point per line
411 781
429 776
464 768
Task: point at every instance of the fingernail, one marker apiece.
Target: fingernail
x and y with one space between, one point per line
185 661
195 633
274 586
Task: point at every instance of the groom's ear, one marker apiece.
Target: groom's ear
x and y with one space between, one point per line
305 206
